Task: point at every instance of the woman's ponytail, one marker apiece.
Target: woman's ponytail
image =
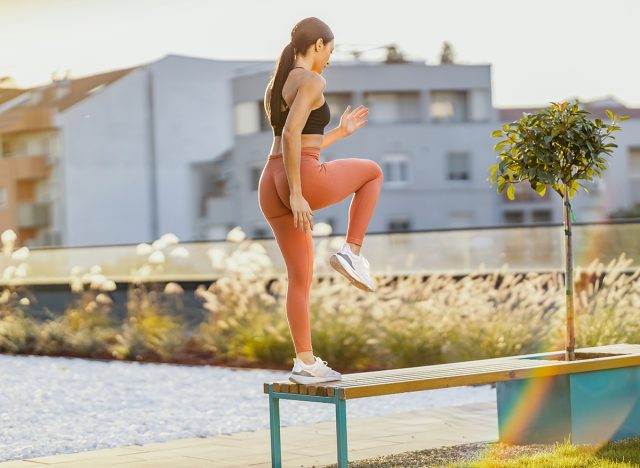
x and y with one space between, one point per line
283 67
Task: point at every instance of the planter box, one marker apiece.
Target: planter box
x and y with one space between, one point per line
585 408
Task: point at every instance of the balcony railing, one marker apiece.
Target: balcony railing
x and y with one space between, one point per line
26 119
25 167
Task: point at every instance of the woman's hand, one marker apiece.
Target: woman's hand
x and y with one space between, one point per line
352 120
302 215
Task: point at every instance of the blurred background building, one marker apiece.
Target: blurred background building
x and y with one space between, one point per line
106 159
178 145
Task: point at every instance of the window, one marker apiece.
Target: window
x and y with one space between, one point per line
55 146
44 145
634 174
395 167
4 198
449 106
458 166
218 187
514 217
392 107
479 103
265 125
254 175
51 238
541 216
461 218
247 117
399 224
338 102
215 187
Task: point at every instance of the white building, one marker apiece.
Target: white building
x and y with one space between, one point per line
106 159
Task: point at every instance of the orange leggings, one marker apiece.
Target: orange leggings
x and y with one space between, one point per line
322 184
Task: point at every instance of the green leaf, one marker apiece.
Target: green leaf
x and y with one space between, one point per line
609 113
511 192
541 189
573 188
496 133
498 146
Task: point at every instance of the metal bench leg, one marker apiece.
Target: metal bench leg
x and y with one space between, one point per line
341 431
274 423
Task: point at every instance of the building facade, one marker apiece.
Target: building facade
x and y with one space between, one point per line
107 158
430 130
178 145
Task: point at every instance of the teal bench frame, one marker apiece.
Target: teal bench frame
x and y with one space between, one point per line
274 422
504 371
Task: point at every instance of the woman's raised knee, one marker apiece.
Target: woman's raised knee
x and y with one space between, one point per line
378 170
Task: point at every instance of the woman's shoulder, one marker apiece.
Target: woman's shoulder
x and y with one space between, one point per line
317 76
308 78
313 82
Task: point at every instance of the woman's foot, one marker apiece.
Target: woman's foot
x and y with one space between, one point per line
309 374
353 267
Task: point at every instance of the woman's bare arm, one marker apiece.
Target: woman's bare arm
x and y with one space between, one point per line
308 94
350 121
332 136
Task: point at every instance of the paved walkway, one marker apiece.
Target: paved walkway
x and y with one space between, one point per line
312 445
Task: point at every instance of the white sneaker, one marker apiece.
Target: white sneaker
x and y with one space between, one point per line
309 374
353 267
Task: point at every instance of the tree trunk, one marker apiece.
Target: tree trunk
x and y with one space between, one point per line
570 341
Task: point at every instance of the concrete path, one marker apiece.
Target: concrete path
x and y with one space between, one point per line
312 445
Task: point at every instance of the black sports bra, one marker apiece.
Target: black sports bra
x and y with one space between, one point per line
318 119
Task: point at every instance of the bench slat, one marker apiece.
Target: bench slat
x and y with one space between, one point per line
551 369
429 373
483 371
425 373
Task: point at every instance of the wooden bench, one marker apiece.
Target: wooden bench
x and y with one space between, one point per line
413 379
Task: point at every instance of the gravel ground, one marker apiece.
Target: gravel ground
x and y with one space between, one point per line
441 456
55 405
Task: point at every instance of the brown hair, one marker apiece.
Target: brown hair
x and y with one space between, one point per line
303 34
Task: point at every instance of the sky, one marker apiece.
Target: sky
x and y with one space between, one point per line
540 51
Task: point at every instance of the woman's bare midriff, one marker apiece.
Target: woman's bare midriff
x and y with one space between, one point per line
305 140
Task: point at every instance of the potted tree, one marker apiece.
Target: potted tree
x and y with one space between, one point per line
559 147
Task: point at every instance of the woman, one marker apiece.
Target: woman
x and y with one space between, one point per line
294 182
